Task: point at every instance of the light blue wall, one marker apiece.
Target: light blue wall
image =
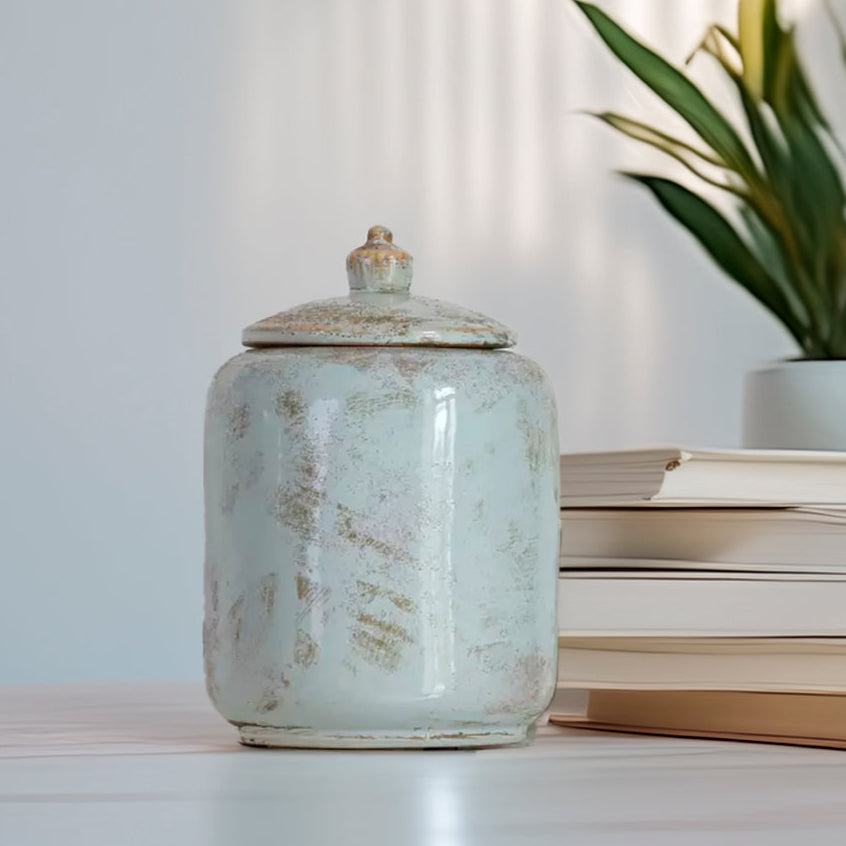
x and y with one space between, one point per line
161 163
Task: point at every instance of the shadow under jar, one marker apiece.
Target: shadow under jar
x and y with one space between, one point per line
381 483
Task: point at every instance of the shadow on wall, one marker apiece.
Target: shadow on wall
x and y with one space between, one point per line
457 123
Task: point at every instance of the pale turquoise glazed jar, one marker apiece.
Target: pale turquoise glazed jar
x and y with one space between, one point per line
381 482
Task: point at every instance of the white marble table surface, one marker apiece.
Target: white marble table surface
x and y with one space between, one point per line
153 764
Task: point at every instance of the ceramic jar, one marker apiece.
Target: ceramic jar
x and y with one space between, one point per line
381 483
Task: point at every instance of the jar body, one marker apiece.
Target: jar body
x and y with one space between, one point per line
381 546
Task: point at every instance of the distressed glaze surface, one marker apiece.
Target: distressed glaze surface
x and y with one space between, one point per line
382 530
364 318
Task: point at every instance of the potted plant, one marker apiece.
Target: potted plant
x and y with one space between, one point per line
781 233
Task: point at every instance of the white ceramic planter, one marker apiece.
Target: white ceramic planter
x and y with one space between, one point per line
796 405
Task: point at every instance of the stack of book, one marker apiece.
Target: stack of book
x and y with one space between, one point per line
703 593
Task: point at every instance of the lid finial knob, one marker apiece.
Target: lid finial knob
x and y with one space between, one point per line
379 264
380 233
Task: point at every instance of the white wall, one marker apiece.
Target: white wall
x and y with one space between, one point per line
174 169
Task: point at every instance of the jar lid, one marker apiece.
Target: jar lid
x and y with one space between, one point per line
379 310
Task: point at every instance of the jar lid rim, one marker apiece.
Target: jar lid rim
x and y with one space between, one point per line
379 310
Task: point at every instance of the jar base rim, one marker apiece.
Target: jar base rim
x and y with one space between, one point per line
468 736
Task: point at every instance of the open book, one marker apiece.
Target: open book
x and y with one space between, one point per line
684 477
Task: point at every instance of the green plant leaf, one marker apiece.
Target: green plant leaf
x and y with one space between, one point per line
790 189
750 37
790 91
711 43
682 152
655 137
758 40
774 199
730 37
675 89
790 207
724 245
772 36
781 203
818 197
770 250
818 189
